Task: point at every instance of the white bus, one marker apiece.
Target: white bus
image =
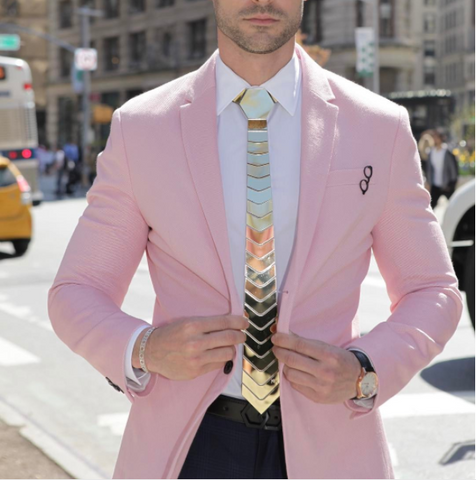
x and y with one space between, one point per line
18 128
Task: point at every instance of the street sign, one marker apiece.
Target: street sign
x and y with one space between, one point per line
10 42
365 45
86 58
77 80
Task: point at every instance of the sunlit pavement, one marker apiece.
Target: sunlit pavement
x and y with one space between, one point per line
74 415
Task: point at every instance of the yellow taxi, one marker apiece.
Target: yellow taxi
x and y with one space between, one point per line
15 207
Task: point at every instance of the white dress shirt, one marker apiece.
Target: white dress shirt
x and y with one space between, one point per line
284 142
437 162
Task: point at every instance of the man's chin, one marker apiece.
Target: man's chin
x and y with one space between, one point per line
253 45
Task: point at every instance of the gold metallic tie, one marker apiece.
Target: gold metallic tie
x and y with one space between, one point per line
260 376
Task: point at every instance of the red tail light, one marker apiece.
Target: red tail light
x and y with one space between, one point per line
12 155
27 86
23 184
26 153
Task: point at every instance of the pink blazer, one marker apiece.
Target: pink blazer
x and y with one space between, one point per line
159 189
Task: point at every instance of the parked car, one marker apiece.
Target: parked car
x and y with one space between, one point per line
15 207
458 228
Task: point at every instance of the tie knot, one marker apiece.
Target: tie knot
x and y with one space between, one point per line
255 102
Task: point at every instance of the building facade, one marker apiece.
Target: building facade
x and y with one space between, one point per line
424 33
455 50
141 44
424 45
332 24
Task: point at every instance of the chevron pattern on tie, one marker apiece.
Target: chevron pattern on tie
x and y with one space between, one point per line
260 376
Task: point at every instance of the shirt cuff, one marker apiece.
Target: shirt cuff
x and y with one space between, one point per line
136 378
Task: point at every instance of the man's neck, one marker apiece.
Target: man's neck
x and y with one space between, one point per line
255 68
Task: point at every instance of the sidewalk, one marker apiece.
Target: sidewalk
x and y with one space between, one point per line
21 459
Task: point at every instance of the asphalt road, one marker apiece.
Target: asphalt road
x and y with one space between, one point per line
73 415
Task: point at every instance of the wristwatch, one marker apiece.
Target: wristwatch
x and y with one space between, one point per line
367 383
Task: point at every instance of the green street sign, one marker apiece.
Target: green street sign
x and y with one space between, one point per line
9 42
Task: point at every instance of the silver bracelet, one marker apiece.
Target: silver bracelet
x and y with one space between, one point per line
142 349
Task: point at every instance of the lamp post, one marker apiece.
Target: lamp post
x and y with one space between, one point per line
85 13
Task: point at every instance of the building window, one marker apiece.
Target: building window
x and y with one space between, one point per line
164 3
197 46
163 51
312 22
137 50
386 18
471 97
359 13
65 60
429 47
167 45
388 79
429 23
451 44
88 3
111 53
429 75
111 8
133 93
65 14
470 70
10 8
136 6
112 99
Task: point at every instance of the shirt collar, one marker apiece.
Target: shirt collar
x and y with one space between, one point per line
284 86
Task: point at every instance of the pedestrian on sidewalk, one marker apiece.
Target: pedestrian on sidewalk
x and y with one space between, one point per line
71 151
258 185
441 169
61 169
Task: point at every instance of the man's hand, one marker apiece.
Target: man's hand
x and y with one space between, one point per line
321 372
192 346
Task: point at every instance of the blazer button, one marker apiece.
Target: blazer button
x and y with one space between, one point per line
228 367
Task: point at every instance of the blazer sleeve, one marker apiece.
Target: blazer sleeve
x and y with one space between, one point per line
412 256
97 267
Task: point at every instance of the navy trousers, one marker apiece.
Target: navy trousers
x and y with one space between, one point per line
223 448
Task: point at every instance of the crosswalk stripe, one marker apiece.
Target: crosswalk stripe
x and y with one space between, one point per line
24 313
11 355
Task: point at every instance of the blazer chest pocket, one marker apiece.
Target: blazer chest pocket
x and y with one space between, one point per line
350 176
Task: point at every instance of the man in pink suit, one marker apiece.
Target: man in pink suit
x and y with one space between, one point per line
171 181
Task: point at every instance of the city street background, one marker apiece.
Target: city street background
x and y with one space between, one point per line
73 415
73 63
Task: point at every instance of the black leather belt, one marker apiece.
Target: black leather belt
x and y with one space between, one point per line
242 411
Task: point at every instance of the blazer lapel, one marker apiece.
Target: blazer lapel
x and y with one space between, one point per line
318 120
199 135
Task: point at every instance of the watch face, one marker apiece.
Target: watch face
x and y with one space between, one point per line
369 384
